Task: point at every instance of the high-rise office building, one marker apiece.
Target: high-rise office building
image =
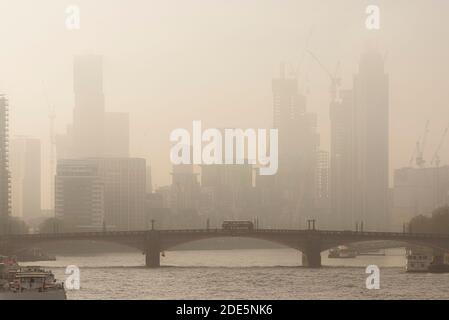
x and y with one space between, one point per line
371 101
342 161
25 166
94 132
116 133
298 144
79 194
5 205
230 187
88 114
124 192
289 107
96 191
185 188
360 149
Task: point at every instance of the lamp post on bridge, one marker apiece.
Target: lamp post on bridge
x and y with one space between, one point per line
406 227
152 224
311 222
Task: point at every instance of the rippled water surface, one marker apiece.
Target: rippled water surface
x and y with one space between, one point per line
246 274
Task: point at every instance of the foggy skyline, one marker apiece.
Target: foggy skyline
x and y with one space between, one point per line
251 150
167 63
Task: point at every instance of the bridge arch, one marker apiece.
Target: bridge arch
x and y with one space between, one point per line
167 245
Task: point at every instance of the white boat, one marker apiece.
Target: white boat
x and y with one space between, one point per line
31 283
342 252
418 259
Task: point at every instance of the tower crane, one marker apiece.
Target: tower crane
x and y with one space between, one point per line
335 80
436 160
420 146
436 155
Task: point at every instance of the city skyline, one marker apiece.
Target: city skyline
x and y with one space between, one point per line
305 200
249 92
249 150
342 175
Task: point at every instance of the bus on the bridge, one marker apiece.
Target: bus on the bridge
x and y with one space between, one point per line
237 225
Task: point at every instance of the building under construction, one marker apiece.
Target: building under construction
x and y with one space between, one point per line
418 191
5 204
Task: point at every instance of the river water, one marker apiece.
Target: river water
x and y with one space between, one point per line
245 274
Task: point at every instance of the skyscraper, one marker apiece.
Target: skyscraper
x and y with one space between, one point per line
94 132
342 161
371 101
5 206
26 177
298 144
88 114
289 107
230 187
359 149
124 192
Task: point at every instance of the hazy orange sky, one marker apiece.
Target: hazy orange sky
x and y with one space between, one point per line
170 62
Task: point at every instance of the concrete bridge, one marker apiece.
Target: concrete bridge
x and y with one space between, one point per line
310 242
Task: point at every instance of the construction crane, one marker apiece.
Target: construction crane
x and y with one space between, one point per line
436 155
335 80
297 71
420 146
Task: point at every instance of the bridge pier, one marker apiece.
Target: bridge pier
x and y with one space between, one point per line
152 250
311 254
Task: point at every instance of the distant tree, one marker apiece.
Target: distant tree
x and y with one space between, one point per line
18 226
440 220
437 223
13 225
421 224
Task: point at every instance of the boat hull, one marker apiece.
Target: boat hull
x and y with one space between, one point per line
33 295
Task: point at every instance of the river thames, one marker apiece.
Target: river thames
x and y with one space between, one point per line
245 274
